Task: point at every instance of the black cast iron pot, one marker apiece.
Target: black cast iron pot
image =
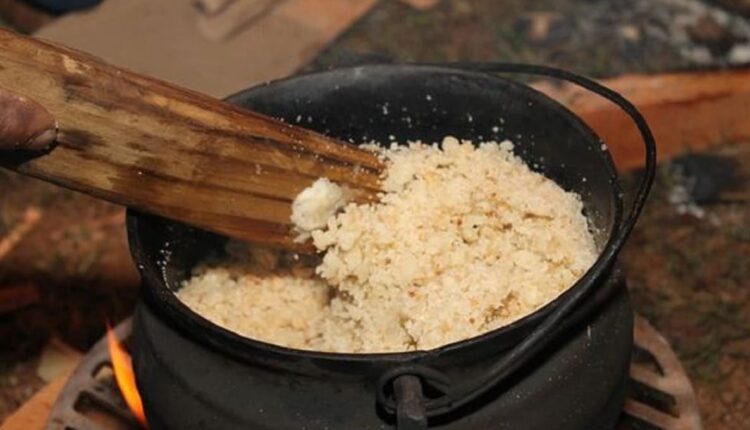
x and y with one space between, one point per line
563 367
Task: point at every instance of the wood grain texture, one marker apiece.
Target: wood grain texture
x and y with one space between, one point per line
147 144
688 111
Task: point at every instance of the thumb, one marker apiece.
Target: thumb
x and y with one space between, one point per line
24 123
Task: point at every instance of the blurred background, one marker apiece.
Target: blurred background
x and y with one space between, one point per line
64 265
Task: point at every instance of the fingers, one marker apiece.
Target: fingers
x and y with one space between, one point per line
24 124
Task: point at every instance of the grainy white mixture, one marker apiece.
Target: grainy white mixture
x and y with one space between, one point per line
463 240
315 205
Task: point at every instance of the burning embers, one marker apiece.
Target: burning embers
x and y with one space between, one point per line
123 369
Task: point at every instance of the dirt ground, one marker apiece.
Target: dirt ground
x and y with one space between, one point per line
690 277
688 274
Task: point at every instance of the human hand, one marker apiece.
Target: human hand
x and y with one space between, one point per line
24 123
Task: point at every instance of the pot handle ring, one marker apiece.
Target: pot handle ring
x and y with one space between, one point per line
456 395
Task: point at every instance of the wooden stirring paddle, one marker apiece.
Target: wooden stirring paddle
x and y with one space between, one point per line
146 144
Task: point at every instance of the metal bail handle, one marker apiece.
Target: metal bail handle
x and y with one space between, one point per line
460 394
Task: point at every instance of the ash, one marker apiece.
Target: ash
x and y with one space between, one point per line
702 34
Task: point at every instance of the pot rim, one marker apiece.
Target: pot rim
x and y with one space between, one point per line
204 331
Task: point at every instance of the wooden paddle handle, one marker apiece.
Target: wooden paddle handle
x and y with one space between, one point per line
150 145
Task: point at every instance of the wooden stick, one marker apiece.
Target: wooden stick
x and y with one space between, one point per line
30 218
688 111
33 414
15 297
146 144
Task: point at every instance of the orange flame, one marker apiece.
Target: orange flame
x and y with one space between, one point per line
123 368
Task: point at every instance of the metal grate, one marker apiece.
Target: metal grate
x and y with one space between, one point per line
660 394
91 400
